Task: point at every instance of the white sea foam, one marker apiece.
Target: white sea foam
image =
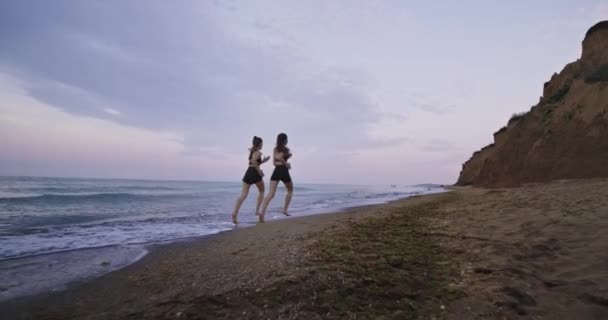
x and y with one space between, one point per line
87 213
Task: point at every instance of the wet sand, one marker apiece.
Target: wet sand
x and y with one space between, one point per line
52 272
536 252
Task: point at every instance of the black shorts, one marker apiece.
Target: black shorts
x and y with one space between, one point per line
252 176
281 173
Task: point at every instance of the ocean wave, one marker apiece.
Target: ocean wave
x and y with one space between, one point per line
389 194
429 186
81 189
47 215
16 195
40 191
104 235
300 189
21 198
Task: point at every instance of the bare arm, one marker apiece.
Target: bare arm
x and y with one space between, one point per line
280 160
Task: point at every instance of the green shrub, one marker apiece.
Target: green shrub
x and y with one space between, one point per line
547 115
599 75
559 95
569 115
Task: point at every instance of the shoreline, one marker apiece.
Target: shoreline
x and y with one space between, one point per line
538 251
109 258
155 251
84 214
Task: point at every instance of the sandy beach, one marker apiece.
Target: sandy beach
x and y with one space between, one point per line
534 252
303 160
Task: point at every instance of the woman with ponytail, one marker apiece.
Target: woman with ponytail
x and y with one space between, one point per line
280 173
253 175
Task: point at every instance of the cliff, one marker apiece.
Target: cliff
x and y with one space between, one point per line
564 136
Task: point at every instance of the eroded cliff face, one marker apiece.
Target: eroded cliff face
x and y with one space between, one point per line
565 136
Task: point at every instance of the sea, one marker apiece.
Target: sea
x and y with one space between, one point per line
55 224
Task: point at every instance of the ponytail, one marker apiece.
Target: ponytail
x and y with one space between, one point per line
257 141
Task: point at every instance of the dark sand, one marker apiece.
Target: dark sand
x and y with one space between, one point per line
536 252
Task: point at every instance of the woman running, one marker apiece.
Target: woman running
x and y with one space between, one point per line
280 173
253 175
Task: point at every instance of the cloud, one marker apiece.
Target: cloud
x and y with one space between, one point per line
188 71
393 116
388 142
111 111
601 10
192 81
436 109
438 145
423 102
102 47
39 139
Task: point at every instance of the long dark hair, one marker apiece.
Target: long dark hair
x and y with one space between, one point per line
256 143
282 145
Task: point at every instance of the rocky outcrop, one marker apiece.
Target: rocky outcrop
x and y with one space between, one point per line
564 136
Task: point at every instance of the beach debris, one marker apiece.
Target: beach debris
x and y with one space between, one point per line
399 314
395 260
519 295
601 300
482 270
105 263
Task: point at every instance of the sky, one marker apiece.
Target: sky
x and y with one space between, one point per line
369 92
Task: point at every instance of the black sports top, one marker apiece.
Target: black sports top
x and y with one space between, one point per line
259 160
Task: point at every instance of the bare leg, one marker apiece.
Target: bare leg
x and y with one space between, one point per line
239 202
289 186
273 190
260 186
